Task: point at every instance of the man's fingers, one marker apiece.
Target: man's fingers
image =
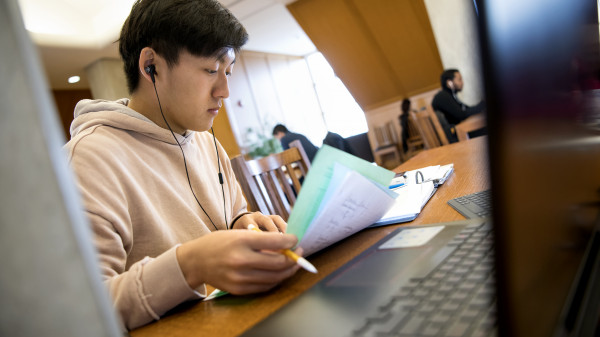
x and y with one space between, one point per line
253 281
271 223
299 251
266 259
281 225
266 224
270 241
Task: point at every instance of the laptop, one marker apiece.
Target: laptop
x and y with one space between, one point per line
474 205
540 274
50 282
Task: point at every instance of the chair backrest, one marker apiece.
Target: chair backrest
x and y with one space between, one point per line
430 123
437 125
413 132
423 123
297 144
414 140
272 183
385 135
449 129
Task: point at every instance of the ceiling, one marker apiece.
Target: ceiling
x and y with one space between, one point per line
72 34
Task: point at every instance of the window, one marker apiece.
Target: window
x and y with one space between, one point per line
341 113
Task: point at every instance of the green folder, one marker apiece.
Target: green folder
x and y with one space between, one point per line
318 178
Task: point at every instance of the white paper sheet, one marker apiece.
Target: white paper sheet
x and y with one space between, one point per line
356 203
436 173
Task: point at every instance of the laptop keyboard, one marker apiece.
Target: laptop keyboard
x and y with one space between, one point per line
474 205
457 298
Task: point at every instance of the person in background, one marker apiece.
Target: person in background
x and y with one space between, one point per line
447 102
286 137
404 122
335 140
165 207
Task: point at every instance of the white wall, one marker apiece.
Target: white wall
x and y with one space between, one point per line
454 27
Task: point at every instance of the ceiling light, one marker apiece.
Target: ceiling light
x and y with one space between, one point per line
73 79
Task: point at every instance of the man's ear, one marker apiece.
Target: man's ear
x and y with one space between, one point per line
450 84
147 58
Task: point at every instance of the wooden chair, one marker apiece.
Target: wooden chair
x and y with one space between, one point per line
271 184
414 142
297 144
423 124
387 144
430 127
436 121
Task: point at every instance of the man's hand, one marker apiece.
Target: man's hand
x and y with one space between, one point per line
268 223
238 261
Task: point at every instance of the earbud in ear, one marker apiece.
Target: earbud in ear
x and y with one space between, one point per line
151 70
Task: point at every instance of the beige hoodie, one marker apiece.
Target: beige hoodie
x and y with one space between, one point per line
135 191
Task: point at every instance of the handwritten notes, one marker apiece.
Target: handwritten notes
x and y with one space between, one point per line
341 195
356 204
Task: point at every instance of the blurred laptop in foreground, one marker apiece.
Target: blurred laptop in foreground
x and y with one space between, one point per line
50 283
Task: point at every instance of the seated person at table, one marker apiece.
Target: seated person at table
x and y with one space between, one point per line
446 100
286 137
159 191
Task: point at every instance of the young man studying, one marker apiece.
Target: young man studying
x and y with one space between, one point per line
166 210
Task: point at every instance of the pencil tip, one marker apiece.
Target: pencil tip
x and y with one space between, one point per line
307 265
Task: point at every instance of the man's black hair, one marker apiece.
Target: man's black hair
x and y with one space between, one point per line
447 75
202 27
280 128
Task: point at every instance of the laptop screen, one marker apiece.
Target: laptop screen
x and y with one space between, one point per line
542 76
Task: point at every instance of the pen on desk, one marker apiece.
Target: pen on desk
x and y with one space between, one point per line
287 252
396 186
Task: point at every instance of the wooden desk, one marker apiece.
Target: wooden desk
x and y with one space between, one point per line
232 315
472 123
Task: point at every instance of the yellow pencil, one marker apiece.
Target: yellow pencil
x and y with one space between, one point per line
287 252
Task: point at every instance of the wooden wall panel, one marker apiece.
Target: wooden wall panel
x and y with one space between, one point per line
406 40
383 50
65 101
224 134
348 46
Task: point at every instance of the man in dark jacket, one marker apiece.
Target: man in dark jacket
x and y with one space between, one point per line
446 101
446 104
286 137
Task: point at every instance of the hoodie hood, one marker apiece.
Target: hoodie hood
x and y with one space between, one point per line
91 113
